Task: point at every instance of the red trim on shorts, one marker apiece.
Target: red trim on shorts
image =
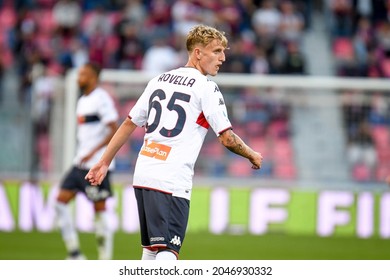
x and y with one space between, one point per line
158 246
150 248
151 189
155 247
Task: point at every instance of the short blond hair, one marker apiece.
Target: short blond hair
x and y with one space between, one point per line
203 35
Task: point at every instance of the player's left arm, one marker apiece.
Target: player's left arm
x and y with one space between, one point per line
214 108
236 145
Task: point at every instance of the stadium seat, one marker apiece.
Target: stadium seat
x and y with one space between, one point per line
46 3
239 167
7 18
383 153
3 38
385 67
282 150
284 171
45 21
213 167
115 17
86 19
266 170
254 128
361 173
382 171
43 41
7 57
381 135
240 129
278 129
343 48
214 149
260 144
110 49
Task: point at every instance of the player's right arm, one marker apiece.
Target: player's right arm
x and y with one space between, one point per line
97 173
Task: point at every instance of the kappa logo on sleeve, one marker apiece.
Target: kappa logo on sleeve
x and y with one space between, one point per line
155 150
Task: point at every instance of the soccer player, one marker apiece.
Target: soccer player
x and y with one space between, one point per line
176 109
97 122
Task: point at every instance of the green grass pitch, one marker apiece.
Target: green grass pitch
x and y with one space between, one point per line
203 246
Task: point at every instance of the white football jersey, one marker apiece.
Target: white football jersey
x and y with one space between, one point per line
94 111
176 109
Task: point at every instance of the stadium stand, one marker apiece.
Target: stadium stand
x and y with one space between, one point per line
360 32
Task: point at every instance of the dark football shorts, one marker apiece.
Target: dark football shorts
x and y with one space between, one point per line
163 219
75 181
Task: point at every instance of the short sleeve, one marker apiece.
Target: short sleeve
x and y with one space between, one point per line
214 108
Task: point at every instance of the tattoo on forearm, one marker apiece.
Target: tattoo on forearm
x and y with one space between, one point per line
235 145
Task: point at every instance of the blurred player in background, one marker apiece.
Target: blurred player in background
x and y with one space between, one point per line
97 122
176 109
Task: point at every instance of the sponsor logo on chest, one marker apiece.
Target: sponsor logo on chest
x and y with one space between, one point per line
155 150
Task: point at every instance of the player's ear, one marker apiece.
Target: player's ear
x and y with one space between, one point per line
198 53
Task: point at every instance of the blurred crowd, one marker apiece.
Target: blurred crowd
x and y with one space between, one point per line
360 37
366 120
47 36
360 40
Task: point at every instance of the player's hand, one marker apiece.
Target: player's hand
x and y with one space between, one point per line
256 161
97 173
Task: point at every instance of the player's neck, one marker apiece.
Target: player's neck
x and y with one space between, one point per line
190 64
